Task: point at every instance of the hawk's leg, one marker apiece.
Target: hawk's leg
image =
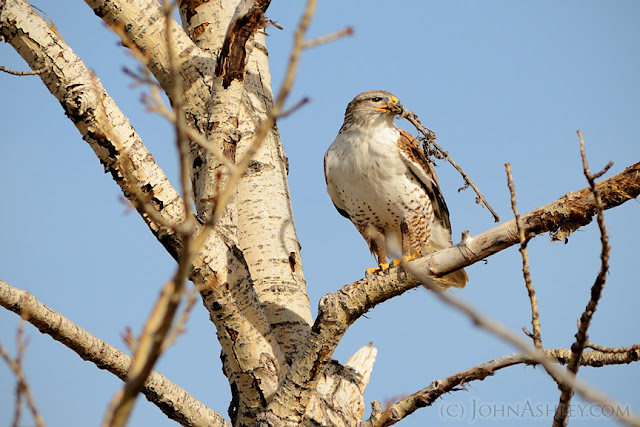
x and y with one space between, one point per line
378 246
406 246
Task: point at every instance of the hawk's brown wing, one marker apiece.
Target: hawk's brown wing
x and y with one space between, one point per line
415 158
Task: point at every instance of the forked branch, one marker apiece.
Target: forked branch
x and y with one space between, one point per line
559 375
562 411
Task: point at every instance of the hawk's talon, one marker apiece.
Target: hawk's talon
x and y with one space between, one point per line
405 258
381 267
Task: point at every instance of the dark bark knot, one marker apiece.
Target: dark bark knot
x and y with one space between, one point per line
78 103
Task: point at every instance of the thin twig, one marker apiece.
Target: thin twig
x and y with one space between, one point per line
23 73
589 344
327 38
152 340
429 140
562 411
293 109
22 387
179 328
535 316
21 346
155 104
559 375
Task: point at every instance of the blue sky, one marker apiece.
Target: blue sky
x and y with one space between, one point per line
498 81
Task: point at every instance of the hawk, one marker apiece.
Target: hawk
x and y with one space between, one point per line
379 178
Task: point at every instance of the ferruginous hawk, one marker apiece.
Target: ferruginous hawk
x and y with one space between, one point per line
378 177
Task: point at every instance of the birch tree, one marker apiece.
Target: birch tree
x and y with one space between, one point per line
229 225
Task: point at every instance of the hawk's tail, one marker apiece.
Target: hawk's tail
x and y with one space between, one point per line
457 279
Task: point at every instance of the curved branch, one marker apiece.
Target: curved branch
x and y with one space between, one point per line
428 395
174 401
337 311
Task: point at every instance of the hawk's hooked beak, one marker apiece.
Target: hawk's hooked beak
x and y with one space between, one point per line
394 107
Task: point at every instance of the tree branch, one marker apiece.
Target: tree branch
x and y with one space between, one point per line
560 376
22 73
562 411
337 311
535 315
174 401
22 387
95 114
428 395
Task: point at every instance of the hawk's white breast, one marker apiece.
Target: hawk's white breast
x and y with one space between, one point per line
367 178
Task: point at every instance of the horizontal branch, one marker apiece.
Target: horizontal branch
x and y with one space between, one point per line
560 218
428 395
174 401
337 311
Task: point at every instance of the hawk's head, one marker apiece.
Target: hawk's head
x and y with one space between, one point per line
372 106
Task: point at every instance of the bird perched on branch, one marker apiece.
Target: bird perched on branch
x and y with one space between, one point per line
379 178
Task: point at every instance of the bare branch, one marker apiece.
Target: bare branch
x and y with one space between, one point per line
561 416
22 387
560 376
632 348
428 395
293 109
178 328
535 316
174 401
429 140
23 73
328 38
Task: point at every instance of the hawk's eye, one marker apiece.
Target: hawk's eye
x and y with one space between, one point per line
376 99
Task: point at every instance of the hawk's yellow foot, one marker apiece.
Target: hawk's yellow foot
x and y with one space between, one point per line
379 268
405 258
